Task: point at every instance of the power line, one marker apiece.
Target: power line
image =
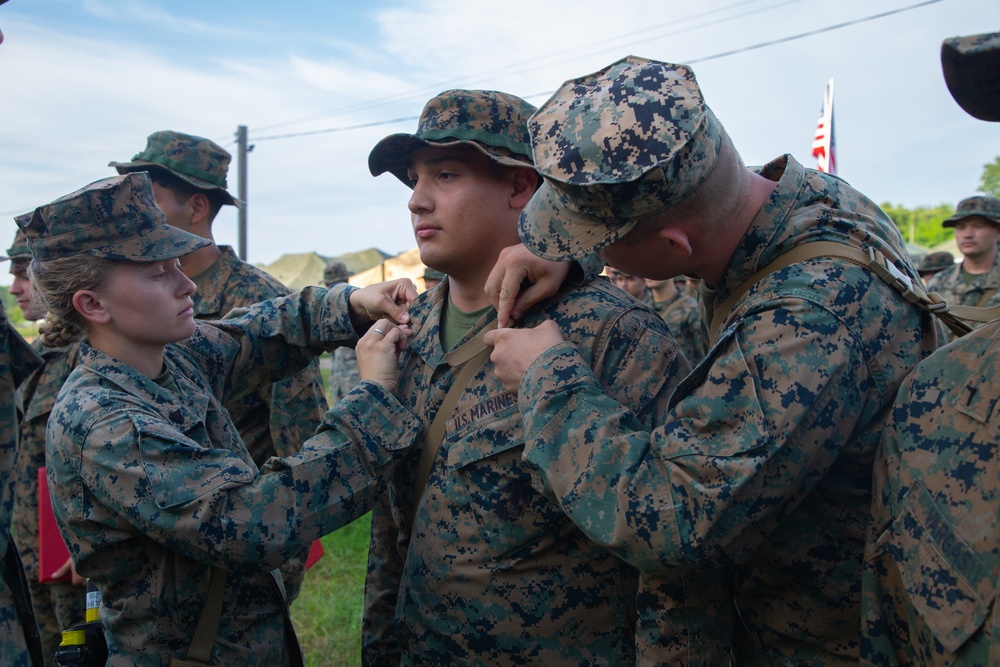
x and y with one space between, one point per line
535 63
715 56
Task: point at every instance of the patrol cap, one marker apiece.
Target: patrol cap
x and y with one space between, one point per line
432 274
613 147
19 249
335 272
971 67
494 123
195 160
936 261
115 218
988 207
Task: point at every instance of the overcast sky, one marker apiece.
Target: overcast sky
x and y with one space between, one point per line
85 81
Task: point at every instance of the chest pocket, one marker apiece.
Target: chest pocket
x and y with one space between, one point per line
178 469
950 588
485 443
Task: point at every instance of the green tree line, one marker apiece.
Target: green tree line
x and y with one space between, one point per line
922 225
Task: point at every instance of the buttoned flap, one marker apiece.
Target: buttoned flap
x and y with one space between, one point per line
948 585
485 445
489 427
179 469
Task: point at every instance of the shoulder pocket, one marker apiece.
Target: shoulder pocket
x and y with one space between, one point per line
180 470
948 585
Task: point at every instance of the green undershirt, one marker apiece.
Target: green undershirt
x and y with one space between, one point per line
456 323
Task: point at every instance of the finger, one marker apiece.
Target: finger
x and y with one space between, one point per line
507 297
530 296
63 570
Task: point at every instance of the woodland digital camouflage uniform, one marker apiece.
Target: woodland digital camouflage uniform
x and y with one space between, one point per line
59 605
950 283
491 571
685 322
275 419
762 468
152 487
933 556
344 360
932 560
17 625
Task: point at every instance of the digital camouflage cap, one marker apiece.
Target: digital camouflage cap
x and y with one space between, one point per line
494 123
987 207
195 160
19 248
115 218
936 261
335 272
613 147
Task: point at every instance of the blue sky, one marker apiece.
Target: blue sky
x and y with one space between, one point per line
85 81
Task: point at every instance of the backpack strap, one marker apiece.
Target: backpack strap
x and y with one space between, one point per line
956 318
470 356
200 651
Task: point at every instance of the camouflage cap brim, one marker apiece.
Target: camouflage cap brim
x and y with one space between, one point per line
394 153
551 230
19 249
985 207
143 165
115 218
147 245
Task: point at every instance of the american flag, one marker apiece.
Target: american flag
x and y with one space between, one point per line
824 145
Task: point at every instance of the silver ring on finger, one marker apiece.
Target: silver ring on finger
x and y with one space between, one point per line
378 330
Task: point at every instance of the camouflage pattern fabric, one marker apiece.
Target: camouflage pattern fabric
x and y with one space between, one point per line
90 221
61 605
343 372
951 285
17 626
487 120
276 419
491 571
668 151
199 161
684 320
762 468
152 488
933 554
987 207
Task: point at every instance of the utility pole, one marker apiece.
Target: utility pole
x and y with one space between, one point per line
241 154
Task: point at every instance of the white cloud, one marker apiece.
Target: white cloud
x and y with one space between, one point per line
72 103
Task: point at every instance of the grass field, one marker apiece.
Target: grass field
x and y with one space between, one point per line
327 613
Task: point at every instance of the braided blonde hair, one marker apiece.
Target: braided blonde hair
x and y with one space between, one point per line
56 281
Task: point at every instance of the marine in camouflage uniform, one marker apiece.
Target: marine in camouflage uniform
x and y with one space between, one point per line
277 418
490 570
344 360
762 469
151 483
58 605
932 560
20 644
955 284
683 318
